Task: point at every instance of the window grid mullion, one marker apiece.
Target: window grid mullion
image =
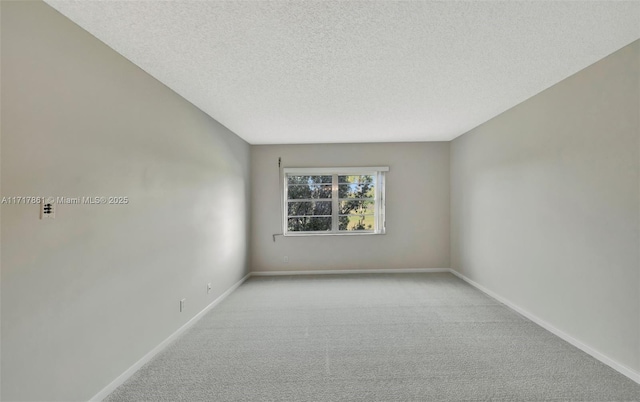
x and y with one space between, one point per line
376 203
310 216
334 204
309 200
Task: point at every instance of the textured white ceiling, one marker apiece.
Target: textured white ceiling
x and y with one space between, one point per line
357 71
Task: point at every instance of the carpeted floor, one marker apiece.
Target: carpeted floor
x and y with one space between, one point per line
377 337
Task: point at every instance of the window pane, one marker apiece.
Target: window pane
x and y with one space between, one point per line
356 206
357 179
291 179
309 208
308 191
309 224
356 222
357 190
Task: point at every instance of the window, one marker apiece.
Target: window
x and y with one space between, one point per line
334 200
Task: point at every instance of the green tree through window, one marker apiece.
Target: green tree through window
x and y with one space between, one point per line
318 202
357 201
309 205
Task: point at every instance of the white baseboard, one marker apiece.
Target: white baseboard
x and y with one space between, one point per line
350 271
621 368
146 358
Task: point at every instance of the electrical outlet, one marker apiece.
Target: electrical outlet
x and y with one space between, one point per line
208 287
286 259
48 208
182 304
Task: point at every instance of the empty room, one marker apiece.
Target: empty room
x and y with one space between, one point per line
319 200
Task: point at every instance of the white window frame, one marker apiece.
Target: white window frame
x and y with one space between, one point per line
379 198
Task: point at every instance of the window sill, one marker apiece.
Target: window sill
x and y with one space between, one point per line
332 234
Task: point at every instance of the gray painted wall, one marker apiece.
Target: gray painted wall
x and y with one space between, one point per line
545 205
417 209
86 295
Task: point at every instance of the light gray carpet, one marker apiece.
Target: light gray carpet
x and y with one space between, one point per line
379 337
